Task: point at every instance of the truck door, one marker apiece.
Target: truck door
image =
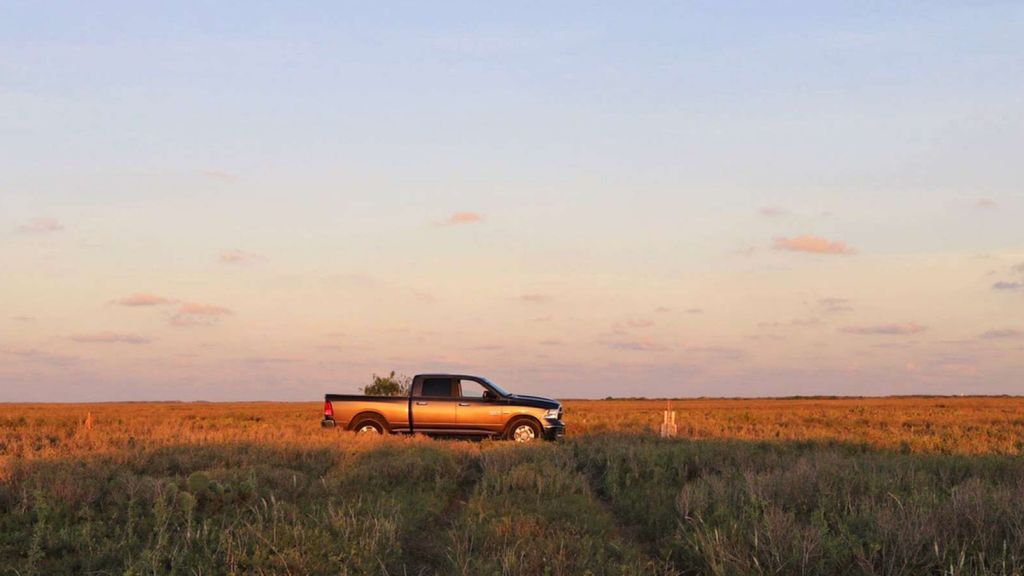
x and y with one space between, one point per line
433 404
477 410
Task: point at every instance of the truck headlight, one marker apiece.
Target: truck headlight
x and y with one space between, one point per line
552 414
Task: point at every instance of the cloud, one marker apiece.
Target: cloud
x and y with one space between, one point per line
236 256
270 360
23 318
745 250
772 211
987 203
39 356
805 322
463 218
695 311
203 309
488 347
797 322
143 299
544 319
1001 334
662 310
724 352
1019 268
636 345
424 297
41 226
535 298
835 304
193 314
885 329
23 352
1008 286
551 342
109 338
812 245
639 323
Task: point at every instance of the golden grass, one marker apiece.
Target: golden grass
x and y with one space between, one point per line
154 488
971 425
976 425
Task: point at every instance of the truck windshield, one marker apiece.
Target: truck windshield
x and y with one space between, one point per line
497 388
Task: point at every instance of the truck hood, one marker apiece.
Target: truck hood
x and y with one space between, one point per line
536 401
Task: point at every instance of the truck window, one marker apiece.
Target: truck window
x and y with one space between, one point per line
472 389
437 387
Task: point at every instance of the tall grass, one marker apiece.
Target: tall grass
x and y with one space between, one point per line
261 489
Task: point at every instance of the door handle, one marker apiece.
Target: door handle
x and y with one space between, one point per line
421 403
463 404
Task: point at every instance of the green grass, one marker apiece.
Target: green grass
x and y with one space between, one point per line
612 504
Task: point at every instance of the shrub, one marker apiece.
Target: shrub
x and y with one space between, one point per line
390 385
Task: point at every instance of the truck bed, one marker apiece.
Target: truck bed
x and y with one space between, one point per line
394 408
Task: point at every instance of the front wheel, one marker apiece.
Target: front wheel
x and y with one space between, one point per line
524 431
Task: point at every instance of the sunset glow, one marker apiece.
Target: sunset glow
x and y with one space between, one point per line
223 203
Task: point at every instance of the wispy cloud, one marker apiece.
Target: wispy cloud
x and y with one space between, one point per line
745 249
489 347
143 299
796 322
193 314
1018 268
633 344
1001 334
812 245
236 256
424 297
662 310
1008 286
835 304
987 203
695 311
724 352
463 218
203 309
535 298
639 323
271 360
23 318
109 338
885 329
772 211
551 343
38 356
23 352
40 226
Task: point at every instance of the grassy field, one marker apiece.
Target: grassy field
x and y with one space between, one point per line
867 486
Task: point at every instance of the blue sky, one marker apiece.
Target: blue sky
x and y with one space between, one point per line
620 158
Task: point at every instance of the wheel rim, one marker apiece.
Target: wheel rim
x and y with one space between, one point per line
369 429
524 433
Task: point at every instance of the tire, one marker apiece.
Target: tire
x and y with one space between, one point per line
369 425
523 431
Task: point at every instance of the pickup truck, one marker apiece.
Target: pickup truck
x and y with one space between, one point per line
448 404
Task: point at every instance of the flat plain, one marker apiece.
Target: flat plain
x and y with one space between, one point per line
790 486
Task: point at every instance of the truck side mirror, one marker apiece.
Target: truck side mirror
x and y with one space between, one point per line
489 395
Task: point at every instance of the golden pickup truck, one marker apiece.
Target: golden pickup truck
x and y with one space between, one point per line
448 404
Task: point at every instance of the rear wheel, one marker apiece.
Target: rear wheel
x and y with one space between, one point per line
524 431
369 426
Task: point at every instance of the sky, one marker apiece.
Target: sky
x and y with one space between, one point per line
272 201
